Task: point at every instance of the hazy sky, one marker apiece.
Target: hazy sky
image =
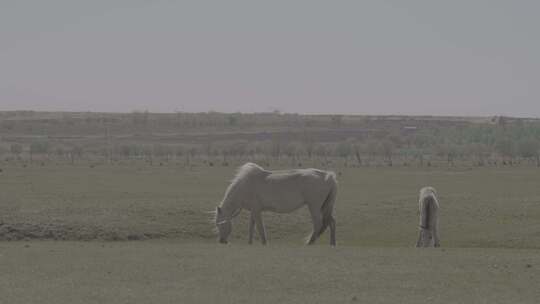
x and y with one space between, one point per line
459 57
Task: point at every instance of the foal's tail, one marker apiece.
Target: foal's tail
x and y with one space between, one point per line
426 214
327 208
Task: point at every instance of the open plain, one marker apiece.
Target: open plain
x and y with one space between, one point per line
136 233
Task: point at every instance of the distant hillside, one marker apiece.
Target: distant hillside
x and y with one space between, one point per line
362 138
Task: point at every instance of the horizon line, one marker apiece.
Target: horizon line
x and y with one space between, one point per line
275 112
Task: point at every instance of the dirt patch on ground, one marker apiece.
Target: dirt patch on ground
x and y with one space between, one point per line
27 231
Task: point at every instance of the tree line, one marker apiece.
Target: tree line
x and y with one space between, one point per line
341 140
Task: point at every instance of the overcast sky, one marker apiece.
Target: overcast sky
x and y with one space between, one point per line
459 57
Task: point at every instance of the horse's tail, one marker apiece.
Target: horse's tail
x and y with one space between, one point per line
327 208
426 212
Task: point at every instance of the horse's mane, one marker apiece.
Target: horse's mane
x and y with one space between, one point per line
243 173
246 170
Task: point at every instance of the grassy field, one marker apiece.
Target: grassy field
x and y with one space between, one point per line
178 272
490 232
480 207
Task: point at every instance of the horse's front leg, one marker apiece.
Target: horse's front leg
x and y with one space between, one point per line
419 241
437 240
260 226
251 228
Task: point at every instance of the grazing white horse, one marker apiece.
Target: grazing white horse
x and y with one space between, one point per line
258 190
428 235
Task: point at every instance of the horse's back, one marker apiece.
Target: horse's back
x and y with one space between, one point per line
306 182
286 190
306 176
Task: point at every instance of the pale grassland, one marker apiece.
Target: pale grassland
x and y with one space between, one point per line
480 207
178 272
490 230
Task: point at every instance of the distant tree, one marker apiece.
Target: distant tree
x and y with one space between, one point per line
179 151
505 147
276 149
386 148
321 151
127 151
38 147
291 150
192 153
358 148
232 120
499 121
372 148
479 152
396 139
418 154
448 151
184 151
343 150
237 149
8 124
422 140
163 151
148 152
337 120
140 118
309 147
16 149
529 148
262 148
251 150
209 149
60 152
76 152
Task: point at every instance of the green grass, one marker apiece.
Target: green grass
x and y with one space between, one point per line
178 272
490 231
481 207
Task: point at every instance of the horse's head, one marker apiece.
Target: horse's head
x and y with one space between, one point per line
224 226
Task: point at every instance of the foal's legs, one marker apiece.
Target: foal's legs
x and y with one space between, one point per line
332 231
436 236
419 241
424 238
260 225
316 218
251 228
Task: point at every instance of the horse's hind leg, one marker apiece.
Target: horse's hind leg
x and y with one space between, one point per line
251 228
332 231
316 218
260 226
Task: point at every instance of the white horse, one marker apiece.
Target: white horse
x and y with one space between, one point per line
428 235
258 190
